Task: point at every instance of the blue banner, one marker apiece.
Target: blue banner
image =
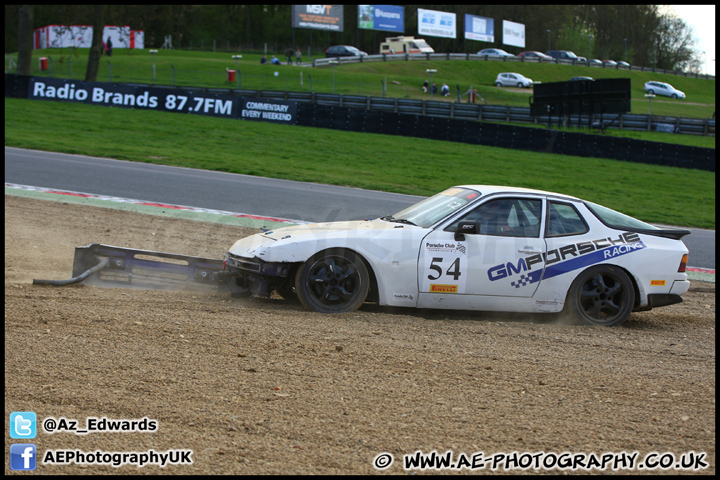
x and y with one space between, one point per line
381 17
479 28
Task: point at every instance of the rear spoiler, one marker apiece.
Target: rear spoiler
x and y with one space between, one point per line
674 233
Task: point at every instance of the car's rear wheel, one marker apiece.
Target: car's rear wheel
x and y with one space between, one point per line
602 295
332 281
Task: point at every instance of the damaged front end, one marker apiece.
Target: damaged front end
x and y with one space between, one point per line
257 278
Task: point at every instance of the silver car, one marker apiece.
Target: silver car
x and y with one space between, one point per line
662 88
513 80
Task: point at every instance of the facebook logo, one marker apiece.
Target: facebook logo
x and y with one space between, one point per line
23 425
23 456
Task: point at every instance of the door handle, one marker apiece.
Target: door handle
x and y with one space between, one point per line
529 250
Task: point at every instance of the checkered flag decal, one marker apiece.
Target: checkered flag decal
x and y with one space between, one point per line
526 279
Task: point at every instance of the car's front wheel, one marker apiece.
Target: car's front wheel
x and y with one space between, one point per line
498 84
332 281
601 295
520 85
651 92
674 95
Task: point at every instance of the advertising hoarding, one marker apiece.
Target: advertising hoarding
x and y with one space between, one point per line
381 17
513 34
434 23
479 28
318 17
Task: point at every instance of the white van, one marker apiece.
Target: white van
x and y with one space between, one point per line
405 45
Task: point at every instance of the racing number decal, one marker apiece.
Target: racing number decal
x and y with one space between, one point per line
445 268
453 271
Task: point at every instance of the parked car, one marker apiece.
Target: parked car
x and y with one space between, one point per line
343 51
512 80
594 62
472 247
582 59
562 54
609 63
495 52
581 79
534 54
623 64
662 88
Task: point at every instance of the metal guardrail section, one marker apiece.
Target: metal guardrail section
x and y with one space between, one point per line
489 113
407 57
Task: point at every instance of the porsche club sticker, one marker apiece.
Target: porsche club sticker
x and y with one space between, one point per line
445 268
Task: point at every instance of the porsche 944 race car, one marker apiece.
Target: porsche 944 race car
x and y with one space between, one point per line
473 247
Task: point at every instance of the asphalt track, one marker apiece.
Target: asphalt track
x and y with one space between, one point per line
254 201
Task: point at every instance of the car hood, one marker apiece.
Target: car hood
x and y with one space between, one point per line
296 243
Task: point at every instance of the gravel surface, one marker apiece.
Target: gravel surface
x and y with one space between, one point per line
265 387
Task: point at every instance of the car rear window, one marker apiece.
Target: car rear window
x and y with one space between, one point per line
618 220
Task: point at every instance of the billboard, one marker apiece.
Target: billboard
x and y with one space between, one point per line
513 34
319 17
436 24
479 28
381 17
80 36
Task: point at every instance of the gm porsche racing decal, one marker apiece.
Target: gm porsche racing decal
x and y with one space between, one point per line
556 261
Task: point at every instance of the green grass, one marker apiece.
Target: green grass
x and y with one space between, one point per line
417 166
208 69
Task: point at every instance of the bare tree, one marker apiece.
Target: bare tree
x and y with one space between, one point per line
96 48
25 39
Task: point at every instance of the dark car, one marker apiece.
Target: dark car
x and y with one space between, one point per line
343 51
581 79
562 54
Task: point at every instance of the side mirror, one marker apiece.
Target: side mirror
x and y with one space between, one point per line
471 227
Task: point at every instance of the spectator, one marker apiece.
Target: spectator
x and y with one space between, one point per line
434 88
263 60
445 90
274 60
298 57
426 87
109 47
289 55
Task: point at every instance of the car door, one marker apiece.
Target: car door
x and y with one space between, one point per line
505 258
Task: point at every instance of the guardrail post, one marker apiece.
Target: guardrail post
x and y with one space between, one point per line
423 106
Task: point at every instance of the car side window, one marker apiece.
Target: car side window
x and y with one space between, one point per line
506 217
564 219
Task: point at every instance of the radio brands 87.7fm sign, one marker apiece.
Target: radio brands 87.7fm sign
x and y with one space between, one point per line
162 99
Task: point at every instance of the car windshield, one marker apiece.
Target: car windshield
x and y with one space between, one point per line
433 209
614 219
421 44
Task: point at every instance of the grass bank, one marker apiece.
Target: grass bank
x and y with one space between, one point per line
666 195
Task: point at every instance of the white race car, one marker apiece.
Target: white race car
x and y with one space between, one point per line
473 247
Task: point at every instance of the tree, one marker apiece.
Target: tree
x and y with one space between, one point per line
96 48
25 39
675 44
